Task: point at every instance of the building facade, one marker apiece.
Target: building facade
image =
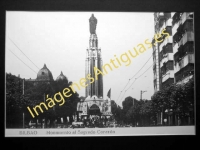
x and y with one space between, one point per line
183 46
173 56
156 64
163 51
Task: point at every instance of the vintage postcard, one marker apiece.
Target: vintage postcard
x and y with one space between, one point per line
96 73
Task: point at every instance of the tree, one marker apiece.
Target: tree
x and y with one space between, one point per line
15 102
116 111
69 107
35 93
146 112
176 97
128 103
130 110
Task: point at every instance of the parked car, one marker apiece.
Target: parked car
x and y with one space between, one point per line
112 124
127 125
77 125
60 125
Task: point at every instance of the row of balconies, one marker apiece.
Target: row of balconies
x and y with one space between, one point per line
186 16
175 18
165 68
187 59
167 57
179 24
184 46
188 36
167 75
165 43
168 82
166 54
184 24
184 79
167 26
163 20
184 72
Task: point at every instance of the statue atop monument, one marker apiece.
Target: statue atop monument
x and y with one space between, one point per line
93 24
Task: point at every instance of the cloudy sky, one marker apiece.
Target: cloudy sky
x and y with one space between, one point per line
60 40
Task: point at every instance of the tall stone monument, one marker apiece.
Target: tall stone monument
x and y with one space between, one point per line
94 103
93 59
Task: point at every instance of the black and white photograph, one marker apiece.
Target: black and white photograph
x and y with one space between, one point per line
92 73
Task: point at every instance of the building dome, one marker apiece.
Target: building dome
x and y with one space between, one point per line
45 74
61 77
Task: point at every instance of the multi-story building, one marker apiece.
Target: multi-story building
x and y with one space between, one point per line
173 55
163 52
183 46
163 67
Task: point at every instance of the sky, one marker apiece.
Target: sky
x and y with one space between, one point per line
60 40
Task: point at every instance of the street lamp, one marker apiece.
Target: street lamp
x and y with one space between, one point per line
169 113
141 92
170 116
23 120
166 111
165 120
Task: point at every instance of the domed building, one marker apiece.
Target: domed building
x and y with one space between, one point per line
61 77
44 74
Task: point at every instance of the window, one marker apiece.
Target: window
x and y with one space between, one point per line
42 73
169 48
169 65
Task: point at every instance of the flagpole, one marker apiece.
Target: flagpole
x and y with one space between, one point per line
110 98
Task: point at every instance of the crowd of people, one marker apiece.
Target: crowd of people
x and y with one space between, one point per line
92 122
85 122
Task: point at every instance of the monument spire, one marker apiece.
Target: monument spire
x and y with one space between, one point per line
93 59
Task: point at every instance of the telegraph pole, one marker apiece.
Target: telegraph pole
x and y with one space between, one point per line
23 86
141 92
